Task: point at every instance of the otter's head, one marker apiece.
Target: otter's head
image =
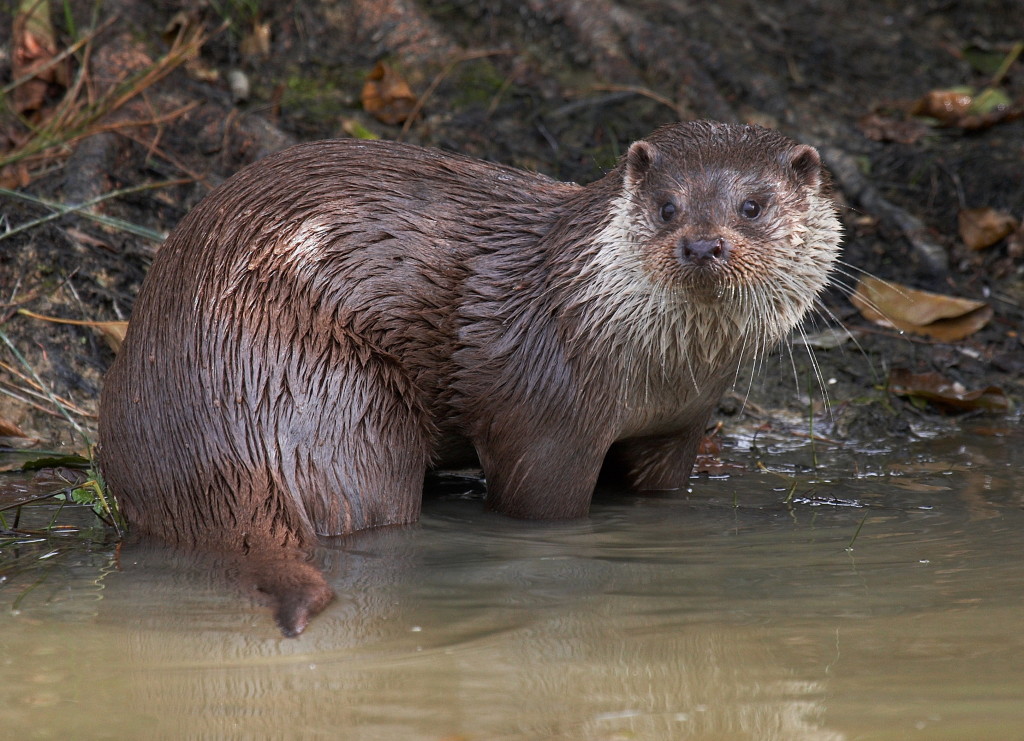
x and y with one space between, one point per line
729 220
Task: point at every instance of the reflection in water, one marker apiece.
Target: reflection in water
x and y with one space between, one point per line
441 633
657 618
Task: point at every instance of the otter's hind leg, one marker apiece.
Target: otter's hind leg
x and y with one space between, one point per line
361 455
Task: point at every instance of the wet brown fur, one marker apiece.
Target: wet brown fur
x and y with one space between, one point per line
344 315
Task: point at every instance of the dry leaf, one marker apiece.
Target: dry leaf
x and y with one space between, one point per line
387 96
256 44
947 106
15 176
34 45
709 455
112 332
947 394
966 108
946 318
983 227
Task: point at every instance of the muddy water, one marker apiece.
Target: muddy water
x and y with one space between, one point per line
724 614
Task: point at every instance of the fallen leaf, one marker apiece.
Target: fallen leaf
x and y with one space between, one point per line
966 108
709 455
256 44
112 332
946 106
710 445
946 394
34 45
983 227
15 176
387 96
946 318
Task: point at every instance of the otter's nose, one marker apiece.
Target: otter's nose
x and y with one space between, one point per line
703 251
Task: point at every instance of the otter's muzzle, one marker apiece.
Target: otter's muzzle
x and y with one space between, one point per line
704 251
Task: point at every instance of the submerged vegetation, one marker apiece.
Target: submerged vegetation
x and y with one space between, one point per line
54 509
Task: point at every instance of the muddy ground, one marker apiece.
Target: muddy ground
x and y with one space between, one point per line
559 86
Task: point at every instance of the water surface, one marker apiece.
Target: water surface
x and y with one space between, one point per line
724 613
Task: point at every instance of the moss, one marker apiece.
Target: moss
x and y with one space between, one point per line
476 83
317 100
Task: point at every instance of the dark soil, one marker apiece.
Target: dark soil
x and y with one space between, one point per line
560 86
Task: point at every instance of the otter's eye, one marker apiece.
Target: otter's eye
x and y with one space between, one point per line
750 209
668 210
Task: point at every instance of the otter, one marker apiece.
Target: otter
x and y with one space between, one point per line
341 317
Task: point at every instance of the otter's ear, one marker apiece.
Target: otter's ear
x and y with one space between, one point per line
805 162
640 160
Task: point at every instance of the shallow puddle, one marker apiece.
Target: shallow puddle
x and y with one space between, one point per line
724 614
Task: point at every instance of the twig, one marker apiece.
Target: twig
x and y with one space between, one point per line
157 151
32 498
155 121
33 393
858 188
647 93
439 78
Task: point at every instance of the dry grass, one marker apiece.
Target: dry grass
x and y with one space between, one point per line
55 101
44 139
